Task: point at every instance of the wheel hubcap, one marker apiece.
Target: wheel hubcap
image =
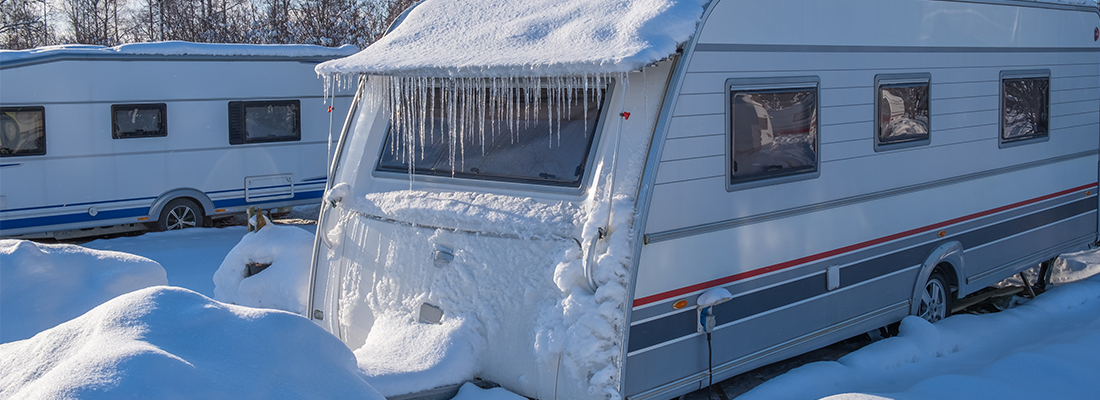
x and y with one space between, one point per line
181 217
933 302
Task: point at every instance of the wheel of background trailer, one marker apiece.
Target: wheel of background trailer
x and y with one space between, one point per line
180 214
935 299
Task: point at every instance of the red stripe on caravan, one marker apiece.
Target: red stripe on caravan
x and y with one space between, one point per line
846 249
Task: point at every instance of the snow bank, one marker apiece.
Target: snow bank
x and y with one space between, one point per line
476 38
44 285
470 391
165 342
178 48
283 285
403 356
1046 348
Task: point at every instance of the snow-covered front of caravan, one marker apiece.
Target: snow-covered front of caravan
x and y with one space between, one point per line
479 222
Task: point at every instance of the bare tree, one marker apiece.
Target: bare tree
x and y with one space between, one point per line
23 24
93 22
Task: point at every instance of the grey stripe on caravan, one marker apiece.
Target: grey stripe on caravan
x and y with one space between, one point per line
201 149
161 100
799 48
817 295
655 237
865 262
654 332
654 393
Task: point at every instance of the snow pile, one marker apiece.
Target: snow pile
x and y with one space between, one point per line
526 38
1046 348
42 285
165 342
179 48
404 356
283 285
470 391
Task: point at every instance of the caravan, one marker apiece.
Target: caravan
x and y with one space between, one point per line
632 205
165 135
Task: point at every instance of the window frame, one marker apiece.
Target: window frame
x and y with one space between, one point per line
40 109
162 107
238 121
512 184
1021 75
882 80
769 84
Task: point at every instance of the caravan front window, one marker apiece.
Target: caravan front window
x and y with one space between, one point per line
139 120
22 131
1025 106
539 136
772 131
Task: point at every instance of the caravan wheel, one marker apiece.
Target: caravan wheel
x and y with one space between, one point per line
935 300
180 214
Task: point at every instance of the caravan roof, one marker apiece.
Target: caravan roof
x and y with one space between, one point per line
474 38
11 58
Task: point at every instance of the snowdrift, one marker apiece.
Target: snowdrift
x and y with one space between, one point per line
46 284
164 342
284 285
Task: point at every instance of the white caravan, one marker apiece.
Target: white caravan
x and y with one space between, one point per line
159 135
553 198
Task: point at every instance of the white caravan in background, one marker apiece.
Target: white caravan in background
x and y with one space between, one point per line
159 135
750 177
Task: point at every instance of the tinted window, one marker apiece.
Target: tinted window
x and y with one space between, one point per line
902 114
22 131
494 142
1025 109
264 121
773 133
139 120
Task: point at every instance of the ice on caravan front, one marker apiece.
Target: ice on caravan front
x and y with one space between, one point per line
531 196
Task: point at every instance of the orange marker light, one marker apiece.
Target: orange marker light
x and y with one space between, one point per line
679 304
942 233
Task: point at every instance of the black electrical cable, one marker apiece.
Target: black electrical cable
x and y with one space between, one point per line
710 366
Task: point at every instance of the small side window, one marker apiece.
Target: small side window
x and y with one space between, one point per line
139 120
265 121
1025 107
772 131
901 109
22 131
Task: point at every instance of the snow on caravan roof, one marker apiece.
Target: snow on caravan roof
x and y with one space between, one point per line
173 49
477 38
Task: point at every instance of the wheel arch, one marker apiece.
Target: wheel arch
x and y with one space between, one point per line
948 257
197 195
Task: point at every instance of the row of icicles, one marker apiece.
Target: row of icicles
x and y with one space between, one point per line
424 110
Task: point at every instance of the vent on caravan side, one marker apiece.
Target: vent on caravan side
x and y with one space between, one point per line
236 122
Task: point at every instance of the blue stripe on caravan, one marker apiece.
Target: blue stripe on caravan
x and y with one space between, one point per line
72 218
129 212
90 203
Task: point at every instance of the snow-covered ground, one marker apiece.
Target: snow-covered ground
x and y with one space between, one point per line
173 342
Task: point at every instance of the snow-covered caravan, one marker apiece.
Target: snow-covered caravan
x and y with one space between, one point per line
162 135
554 196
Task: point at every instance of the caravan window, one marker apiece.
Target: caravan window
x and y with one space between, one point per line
265 121
902 111
1025 107
139 120
22 131
525 135
772 131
